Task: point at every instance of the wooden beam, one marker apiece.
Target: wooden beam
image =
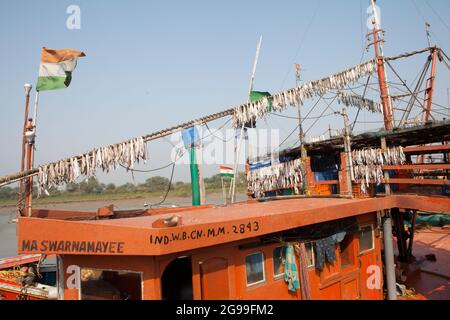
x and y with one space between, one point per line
427 149
419 182
434 166
327 182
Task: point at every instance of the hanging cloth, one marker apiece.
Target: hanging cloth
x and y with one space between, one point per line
290 268
326 249
304 277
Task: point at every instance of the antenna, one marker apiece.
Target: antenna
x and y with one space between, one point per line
427 30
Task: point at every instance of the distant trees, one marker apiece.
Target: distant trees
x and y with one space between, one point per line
92 185
110 187
155 184
127 187
8 192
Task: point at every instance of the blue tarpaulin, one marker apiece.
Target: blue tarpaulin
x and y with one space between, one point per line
190 137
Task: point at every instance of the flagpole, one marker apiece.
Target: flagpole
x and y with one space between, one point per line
36 105
250 147
32 150
27 88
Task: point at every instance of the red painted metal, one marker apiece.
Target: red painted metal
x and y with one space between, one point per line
384 92
429 91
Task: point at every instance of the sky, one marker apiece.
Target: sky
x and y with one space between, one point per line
152 64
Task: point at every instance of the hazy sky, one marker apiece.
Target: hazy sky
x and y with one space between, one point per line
150 65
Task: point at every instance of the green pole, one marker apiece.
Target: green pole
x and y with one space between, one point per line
194 178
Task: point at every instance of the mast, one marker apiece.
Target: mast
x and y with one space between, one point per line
429 88
27 88
377 34
389 125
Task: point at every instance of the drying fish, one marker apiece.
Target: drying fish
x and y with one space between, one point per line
359 102
368 163
105 158
293 97
285 175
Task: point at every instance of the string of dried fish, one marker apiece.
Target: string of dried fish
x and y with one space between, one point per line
285 175
105 158
278 102
368 163
359 102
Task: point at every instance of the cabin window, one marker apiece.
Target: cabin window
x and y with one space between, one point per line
346 251
366 238
309 254
97 284
278 258
254 268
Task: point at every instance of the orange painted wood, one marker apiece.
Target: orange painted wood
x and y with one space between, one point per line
419 181
327 182
441 166
427 149
214 279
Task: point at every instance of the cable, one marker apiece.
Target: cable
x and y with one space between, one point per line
297 118
438 15
301 42
168 189
359 109
328 106
297 126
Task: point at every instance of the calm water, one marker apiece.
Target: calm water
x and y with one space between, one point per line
8 242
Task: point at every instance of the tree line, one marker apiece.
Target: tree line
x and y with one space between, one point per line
152 185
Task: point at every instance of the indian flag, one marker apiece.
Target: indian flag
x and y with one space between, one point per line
55 71
226 171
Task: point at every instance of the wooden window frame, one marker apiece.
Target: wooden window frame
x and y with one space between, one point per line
373 238
279 275
264 280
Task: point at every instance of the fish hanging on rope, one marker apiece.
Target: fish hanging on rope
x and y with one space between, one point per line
359 102
69 170
285 175
368 164
280 101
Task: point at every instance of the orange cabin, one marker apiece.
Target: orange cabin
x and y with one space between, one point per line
233 252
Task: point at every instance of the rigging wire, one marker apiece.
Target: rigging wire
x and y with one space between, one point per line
297 126
328 107
305 34
167 191
438 15
297 118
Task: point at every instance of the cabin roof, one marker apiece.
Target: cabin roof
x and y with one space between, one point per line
147 235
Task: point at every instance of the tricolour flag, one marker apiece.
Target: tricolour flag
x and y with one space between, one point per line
55 71
226 171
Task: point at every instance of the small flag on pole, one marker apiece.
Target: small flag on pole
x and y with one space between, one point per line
55 70
226 171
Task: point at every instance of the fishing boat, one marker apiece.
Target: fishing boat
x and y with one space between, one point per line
26 277
320 221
